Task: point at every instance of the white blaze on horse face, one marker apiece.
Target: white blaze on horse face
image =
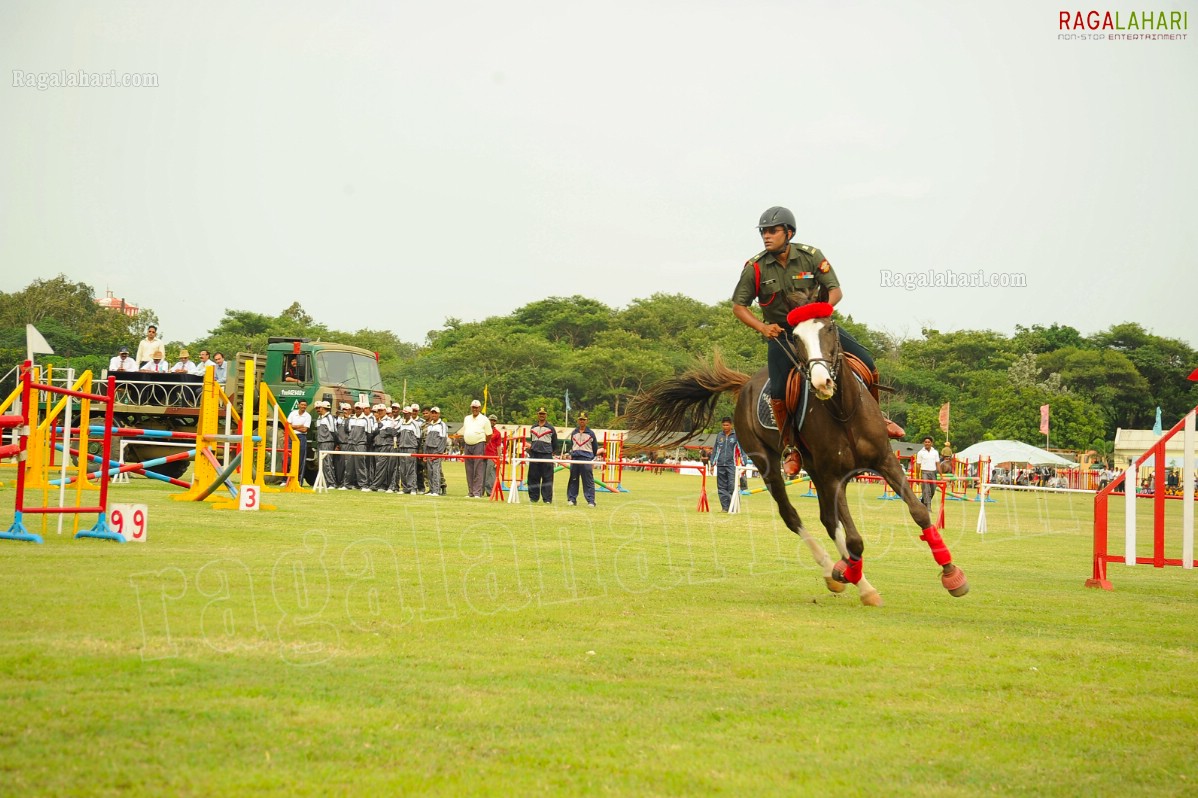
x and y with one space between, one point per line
821 378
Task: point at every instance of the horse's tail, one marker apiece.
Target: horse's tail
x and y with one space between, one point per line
675 409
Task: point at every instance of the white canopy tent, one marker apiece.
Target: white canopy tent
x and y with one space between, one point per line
1012 452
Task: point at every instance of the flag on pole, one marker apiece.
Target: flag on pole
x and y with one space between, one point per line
567 400
1156 427
944 416
1044 419
35 344
486 397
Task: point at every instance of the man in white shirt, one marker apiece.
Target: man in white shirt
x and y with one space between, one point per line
157 365
149 345
476 428
300 419
122 362
928 460
204 363
184 366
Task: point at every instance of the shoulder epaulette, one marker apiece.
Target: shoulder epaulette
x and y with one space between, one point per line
810 250
757 258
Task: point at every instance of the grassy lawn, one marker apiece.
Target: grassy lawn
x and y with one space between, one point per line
379 644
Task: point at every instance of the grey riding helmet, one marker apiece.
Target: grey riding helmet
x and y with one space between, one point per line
775 216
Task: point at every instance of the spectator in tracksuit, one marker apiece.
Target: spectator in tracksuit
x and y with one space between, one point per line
542 445
723 457
369 464
357 438
326 440
383 475
409 441
340 462
419 420
436 439
584 447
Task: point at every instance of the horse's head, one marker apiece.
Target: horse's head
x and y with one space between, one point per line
818 346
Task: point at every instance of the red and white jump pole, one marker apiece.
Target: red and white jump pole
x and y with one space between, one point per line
1186 427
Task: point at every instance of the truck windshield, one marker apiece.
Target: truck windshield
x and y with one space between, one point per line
348 369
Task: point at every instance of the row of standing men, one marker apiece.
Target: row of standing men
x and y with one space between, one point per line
398 430
403 430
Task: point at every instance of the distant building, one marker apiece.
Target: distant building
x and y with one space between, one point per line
112 303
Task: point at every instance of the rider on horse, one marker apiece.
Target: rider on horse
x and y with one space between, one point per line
781 269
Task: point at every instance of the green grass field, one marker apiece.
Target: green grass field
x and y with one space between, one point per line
361 644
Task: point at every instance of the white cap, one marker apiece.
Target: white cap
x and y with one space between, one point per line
344 406
476 403
434 409
407 408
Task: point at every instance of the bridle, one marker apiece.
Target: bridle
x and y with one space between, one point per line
832 361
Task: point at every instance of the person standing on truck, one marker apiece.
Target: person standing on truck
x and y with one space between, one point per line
149 345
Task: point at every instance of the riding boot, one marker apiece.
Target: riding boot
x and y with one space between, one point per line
893 430
791 461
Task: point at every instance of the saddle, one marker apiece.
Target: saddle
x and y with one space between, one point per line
797 392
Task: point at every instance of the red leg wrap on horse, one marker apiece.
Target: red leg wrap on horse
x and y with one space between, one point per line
931 536
852 571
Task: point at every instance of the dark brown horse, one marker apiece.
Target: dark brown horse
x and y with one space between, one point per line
843 434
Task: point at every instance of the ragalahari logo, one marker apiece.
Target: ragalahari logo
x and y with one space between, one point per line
1124 25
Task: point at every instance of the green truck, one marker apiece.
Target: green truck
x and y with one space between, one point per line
294 368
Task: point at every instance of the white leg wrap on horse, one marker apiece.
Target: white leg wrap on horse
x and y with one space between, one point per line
817 551
841 546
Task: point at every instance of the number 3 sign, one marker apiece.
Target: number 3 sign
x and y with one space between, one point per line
248 498
130 521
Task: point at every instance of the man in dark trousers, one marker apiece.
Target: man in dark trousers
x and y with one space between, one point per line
542 444
584 447
723 457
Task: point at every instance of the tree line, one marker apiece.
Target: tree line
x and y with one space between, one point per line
603 356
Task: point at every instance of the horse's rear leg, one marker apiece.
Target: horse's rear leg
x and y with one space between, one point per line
790 516
850 568
952 577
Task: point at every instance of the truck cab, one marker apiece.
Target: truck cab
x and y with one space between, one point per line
298 368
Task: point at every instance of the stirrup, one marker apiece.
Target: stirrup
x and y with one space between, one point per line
792 463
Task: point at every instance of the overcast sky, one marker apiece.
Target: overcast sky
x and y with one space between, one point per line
392 164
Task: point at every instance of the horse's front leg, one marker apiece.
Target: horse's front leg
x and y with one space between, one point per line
850 568
776 483
952 577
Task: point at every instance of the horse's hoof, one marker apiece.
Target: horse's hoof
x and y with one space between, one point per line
954 581
833 585
872 599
